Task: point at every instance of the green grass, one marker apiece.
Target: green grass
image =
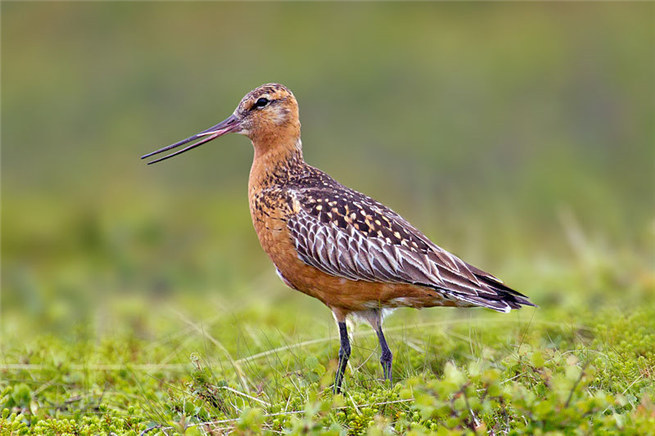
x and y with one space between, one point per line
267 363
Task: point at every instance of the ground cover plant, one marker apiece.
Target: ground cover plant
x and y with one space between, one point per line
581 376
584 365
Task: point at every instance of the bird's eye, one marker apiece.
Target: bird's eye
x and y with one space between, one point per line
261 102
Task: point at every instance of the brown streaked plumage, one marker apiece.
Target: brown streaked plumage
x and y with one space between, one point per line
333 243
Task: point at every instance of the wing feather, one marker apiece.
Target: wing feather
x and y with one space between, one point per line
360 239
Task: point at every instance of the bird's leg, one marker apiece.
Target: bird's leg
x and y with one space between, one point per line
386 357
344 354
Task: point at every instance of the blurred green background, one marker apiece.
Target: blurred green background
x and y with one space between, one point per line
519 136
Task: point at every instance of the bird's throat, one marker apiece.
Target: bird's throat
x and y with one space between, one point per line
272 161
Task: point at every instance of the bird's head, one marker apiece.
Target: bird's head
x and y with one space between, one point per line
268 115
267 112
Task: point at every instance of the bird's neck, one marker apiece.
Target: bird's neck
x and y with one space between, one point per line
273 163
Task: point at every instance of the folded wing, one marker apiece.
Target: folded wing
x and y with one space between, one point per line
347 234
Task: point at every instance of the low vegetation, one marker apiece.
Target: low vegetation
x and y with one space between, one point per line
572 368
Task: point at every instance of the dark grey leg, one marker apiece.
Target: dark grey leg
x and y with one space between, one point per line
386 357
344 354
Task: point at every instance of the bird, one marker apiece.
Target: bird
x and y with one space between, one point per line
354 254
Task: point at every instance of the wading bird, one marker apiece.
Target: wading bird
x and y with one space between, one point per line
330 242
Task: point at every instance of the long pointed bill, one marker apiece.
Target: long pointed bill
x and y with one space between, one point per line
230 124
